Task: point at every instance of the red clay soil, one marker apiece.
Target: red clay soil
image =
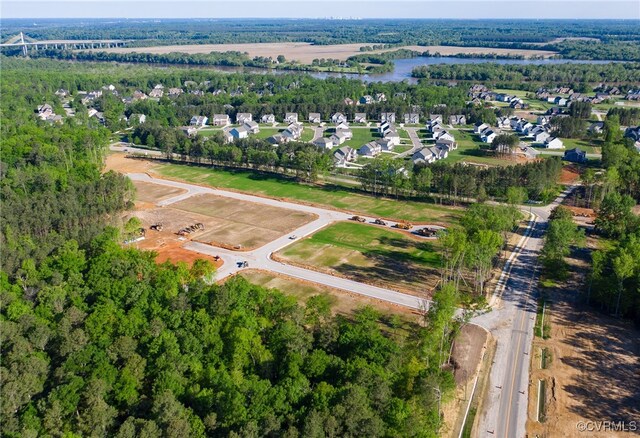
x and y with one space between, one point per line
569 174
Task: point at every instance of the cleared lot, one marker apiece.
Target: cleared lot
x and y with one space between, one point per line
370 254
232 223
154 193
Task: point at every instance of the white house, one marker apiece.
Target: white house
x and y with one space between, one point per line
338 118
239 132
488 136
314 118
423 156
268 118
137 118
291 118
553 143
458 119
541 137
360 118
388 117
199 121
339 137
366 100
324 143
243 117
344 155
371 149
479 127
221 120
386 144
342 125
251 126
411 118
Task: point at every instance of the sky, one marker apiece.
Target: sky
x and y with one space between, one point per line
536 9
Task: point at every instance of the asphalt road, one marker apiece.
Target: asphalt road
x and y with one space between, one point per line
511 322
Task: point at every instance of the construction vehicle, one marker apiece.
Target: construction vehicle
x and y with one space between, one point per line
403 225
156 227
358 219
379 222
427 232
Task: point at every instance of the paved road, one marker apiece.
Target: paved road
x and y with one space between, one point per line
511 323
415 140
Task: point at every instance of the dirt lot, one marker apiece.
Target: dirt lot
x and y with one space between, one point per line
154 193
594 370
230 223
118 162
306 52
569 175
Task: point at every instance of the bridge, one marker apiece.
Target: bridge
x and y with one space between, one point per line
25 43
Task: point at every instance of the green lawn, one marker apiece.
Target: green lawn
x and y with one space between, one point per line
369 253
400 149
361 136
332 196
585 145
267 132
471 149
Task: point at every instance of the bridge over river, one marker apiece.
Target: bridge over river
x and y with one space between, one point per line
27 44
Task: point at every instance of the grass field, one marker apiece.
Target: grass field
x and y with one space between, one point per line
332 196
585 145
371 254
473 150
361 136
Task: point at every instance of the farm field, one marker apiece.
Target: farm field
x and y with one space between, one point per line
231 223
333 196
370 254
306 52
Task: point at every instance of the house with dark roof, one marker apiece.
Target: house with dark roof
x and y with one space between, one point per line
575 155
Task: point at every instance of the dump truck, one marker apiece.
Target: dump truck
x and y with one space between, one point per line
403 225
427 232
358 219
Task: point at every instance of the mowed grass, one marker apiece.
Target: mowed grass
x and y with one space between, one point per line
372 254
471 149
331 196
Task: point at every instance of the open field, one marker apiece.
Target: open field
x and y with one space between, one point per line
306 52
591 363
231 223
472 150
370 254
361 136
331 196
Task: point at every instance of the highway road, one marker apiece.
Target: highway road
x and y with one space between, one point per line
511 322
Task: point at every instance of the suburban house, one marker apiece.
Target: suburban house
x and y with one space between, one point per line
380 97
541 137
411 118
62 93
479 127
324 143
345 155
342 125
435 128
137 118
99 116
523 126
277 139
575 155
386 144
633 133
388 117
314 118
175 92
239 132
503 122
457 119
44 111
338 118
595 128
435 118
189 131
268 118
384 126
450 145
199 121
291 118
553 143
393 136
139 95
221 120
360 118
371 149
251 126
293 131
560 101
341 136
366 100
243 117
443 135
156 93
543 120
228 138
429 155
487 136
